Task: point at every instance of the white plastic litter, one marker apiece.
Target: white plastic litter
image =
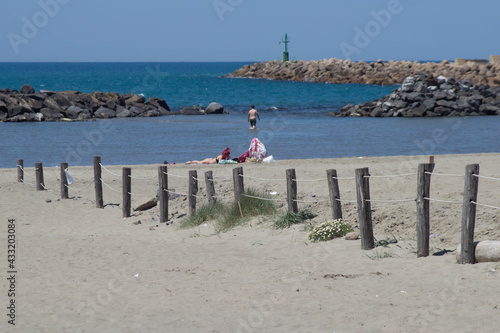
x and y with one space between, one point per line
268 159
69 177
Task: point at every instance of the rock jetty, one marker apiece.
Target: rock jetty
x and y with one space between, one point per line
28 105
425 96
379 72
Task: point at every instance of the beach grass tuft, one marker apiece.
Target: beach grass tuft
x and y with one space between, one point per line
249 206
203 214
227 216
290 218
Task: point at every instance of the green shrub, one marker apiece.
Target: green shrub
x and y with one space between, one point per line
329 230
290 218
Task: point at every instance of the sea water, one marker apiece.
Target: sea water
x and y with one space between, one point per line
294 118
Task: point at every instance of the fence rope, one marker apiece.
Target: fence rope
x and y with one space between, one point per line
81 174
110 187
396 200
486 177
393 176
311 201
309 180
114 174
23 170
169 174
478 204
445 201
46 188
139 178
260 198
344 178
79 190
443 174
168 191
266 179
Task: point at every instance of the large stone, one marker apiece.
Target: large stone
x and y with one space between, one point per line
27 89
72 112
193 110
214 108
104 112
489 109
135 99
51 114
408 84
157 103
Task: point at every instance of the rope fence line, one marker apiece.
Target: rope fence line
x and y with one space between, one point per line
79 190
139 178
444 201
390 201
264 179
483 205
81 174
108 186
260 198
443 174
111 172
393 176
423 199
173 192
486 177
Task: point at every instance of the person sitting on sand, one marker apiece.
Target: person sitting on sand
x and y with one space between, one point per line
225 155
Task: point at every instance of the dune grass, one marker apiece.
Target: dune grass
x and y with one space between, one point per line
229 215
290 218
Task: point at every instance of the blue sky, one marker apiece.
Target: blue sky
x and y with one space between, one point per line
247 30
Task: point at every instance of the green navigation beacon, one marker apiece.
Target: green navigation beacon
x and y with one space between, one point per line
285 54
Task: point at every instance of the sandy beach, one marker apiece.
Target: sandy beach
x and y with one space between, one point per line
83 269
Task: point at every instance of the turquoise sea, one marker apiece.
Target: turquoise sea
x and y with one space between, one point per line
294 121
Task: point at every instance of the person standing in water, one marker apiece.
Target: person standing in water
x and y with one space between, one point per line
252 117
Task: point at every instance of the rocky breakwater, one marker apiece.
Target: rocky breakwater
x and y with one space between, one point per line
379 72
28 105
426 96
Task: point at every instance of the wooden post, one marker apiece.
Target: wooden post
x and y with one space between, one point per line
333 185
39 177
192 191
20 171
209 183
469 214
364 209
64 182
423 208
163 194
291 191
126 192
431 159
238 183
99 202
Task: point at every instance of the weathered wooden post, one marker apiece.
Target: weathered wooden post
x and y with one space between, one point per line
209 183
239 188
469 214
126 191
163 194
423 208
291 190
333 185
99 202
20 171
40 186
64 181
192 191
364 209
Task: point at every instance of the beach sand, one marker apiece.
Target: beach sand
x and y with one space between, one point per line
84 269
